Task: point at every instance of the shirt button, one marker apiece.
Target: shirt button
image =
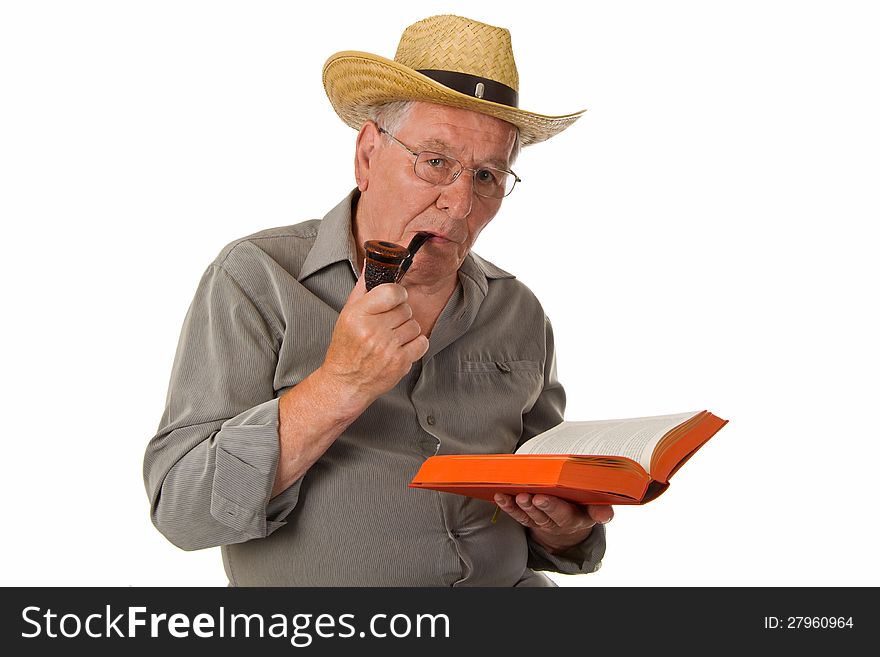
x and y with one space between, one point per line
430 420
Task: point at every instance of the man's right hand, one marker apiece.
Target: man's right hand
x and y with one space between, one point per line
374 343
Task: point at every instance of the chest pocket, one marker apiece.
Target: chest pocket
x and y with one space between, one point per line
492 395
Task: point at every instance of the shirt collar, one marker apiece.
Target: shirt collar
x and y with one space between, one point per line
335 243
480 271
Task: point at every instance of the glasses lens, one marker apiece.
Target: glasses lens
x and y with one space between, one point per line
439 169
493 183
436 168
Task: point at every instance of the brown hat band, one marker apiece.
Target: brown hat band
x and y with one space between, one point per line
473 85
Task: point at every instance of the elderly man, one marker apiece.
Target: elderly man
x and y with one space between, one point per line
301 405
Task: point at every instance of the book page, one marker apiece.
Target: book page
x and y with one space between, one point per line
634 438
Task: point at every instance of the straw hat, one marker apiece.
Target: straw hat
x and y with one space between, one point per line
448 60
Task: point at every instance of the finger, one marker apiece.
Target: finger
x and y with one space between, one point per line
541 520
507 504
383 298
563 513
601 513
407 332
399 315
416 348
390 319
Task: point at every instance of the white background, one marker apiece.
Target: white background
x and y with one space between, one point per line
707 236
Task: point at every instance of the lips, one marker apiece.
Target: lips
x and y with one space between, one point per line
438 238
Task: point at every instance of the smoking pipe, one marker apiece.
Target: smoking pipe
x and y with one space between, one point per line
387 262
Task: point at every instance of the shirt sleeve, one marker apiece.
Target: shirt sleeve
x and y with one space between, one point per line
210 468
547 412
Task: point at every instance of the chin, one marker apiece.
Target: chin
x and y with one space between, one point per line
433 266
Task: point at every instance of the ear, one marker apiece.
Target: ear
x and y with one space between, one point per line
368 141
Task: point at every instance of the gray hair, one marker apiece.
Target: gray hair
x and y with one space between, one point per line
393 115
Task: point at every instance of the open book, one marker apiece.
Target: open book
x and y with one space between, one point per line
627 461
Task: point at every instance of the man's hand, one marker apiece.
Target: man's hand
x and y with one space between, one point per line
554 523
374 343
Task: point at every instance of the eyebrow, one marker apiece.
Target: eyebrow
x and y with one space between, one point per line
441 147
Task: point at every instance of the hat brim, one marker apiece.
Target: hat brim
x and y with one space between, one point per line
356 81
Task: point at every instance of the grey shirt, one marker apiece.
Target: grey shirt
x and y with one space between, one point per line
260 323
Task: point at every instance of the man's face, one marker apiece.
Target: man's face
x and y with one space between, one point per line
395 204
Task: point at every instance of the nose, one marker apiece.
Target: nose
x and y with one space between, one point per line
457 197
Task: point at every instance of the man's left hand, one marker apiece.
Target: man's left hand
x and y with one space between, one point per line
553 522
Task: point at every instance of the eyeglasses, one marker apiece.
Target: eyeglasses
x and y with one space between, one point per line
439 169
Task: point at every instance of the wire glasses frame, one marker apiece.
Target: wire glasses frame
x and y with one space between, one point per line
440 169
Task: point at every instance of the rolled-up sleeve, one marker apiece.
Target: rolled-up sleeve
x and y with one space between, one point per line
583 558
210 468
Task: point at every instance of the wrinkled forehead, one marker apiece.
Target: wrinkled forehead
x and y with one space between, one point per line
459 132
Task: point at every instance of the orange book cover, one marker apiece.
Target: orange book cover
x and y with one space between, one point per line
661 444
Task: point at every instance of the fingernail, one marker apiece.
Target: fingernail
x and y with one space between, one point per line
541 503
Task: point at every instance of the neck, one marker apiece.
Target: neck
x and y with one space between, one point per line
433 288
428 300
356 220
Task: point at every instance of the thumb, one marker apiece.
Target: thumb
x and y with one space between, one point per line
601 513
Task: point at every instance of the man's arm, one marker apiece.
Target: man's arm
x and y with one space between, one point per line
209 468
226 463
374 344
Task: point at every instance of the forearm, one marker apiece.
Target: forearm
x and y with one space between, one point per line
311 416
236 481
